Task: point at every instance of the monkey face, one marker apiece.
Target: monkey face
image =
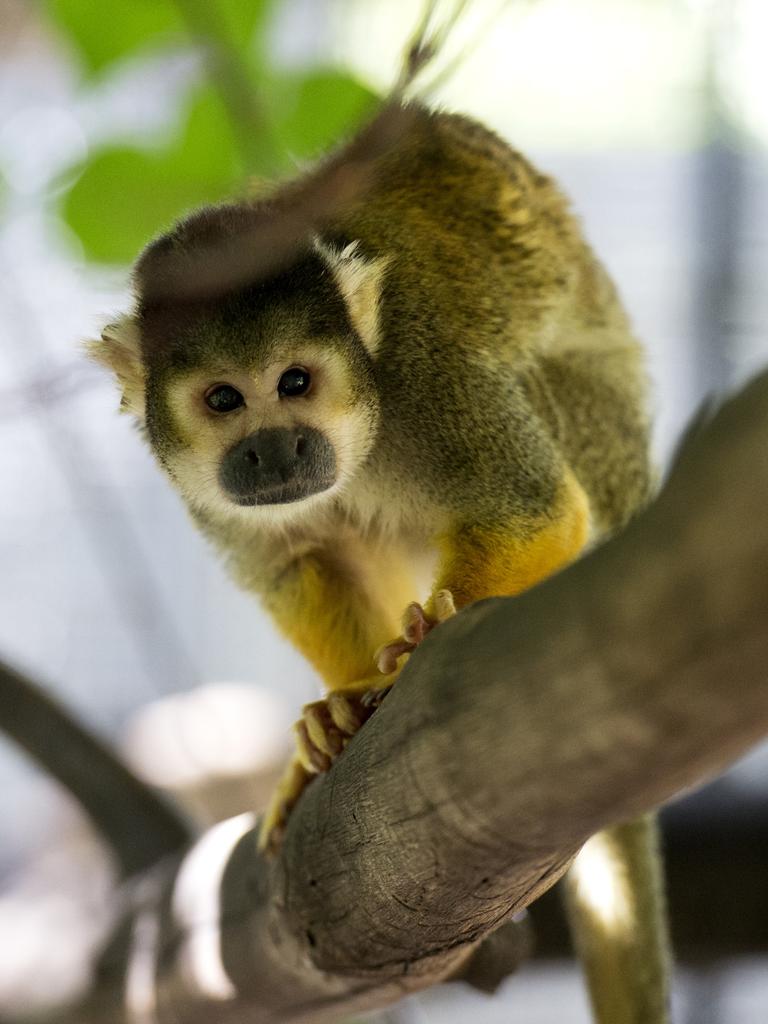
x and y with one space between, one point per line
268 440
259 401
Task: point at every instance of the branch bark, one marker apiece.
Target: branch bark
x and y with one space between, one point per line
517 730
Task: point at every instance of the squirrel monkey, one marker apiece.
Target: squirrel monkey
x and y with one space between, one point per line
442 369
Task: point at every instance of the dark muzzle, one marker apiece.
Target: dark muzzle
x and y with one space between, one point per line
277 465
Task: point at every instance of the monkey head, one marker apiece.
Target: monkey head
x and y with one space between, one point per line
258 400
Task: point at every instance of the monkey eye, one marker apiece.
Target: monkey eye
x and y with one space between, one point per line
294 382
223 398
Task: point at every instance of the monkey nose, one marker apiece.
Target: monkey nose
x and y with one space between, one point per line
276 465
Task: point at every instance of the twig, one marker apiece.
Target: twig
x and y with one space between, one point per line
229 74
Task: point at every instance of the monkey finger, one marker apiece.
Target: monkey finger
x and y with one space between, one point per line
272 828
321 729
347 713
311 759
415 624
445 607
386 657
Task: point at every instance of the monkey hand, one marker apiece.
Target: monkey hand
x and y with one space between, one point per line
327 725
322 732
416 624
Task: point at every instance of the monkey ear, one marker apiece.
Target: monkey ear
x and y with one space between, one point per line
119 349
360 281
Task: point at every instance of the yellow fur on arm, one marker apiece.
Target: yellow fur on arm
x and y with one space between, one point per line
479 562
338 612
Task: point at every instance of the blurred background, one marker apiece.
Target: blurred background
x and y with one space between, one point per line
113 122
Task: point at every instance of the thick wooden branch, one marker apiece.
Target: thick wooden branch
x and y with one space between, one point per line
518 729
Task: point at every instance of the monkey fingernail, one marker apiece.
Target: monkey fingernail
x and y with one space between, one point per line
386 662
374 698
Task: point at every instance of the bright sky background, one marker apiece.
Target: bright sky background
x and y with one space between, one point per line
587 74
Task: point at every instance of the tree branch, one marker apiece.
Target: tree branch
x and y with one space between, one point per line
517 730
136 822
229 74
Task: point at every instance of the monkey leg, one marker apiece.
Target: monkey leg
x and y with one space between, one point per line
336 605
618 921
500 557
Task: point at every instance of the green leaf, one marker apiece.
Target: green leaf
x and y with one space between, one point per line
208 149
316 110
124 197
104 34
243 20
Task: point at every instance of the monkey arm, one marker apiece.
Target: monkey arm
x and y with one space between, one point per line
338 604
507 557
493 556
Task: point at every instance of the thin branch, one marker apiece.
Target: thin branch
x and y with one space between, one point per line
136 822
229 75
516 730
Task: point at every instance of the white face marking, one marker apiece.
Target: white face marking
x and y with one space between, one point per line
196 905
349 427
